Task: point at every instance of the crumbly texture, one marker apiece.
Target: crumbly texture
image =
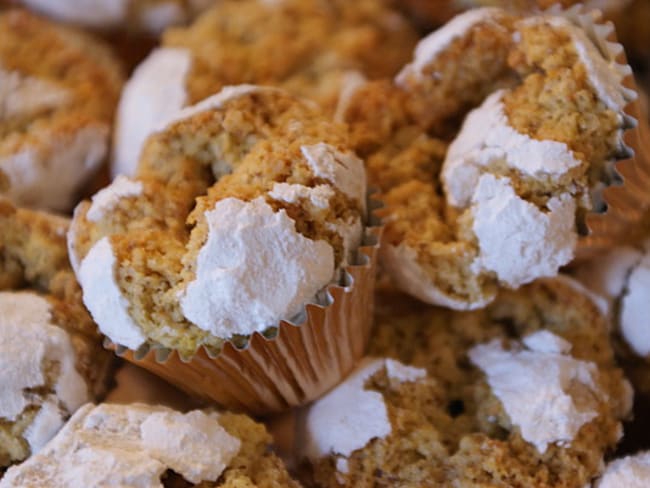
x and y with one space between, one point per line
239 151
403 128
255 465
62 88
238 41
451 430
34 258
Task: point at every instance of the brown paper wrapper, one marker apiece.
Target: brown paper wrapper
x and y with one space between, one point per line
298 365
629 201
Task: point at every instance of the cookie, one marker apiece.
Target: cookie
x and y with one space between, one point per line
50 352
523 393
325 46
58 91
497 195
142 445
252 170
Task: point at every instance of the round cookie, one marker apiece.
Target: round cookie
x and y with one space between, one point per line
523 393
58 91
251 170
151 16
324 46
497 195
142 445
51 356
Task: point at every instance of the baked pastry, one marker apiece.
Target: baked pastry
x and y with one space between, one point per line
324 46
50 351
505 201
149 16
523 393
58 90
252 170
142 445
631 472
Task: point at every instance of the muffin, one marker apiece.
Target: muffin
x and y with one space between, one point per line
143 445
50 351
252 171
325 47
523 393
490 153
59 91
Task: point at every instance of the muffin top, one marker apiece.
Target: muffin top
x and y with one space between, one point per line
251 170
325 46
496 195
59 88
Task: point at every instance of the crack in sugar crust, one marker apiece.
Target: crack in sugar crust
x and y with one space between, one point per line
470 437
79 82
330 40
238 149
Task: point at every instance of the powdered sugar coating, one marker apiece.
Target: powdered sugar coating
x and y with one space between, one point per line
539 385
29 339
45 425
487 138
103 297
635 308
518 241
344 170
349 416
129 445
152 96
432 45
319 196
107 198
268 272
628 472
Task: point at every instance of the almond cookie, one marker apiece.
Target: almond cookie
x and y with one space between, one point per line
324 46
58 90
630 472
523 393
250 170
50 351
153 446
504 201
